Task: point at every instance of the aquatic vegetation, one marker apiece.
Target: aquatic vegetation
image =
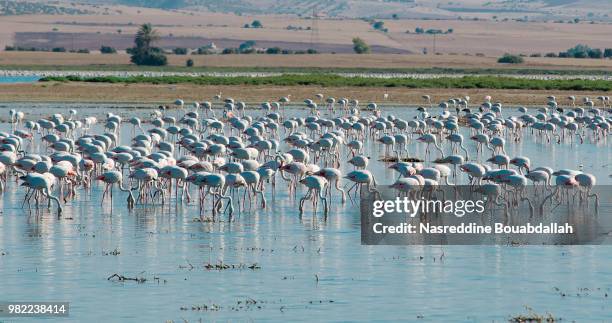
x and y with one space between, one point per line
333 80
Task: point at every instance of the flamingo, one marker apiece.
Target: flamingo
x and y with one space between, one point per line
316 186
42 183
115 177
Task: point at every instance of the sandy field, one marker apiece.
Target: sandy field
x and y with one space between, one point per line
491 38
166 94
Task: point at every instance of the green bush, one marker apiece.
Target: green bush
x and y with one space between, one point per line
511 59
359 46
108 50
152 58
180 51
256 24
273 50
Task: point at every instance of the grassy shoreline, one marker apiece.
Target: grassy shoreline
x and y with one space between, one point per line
310 70
331 80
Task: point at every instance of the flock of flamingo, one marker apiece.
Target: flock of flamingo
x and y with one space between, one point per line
238 155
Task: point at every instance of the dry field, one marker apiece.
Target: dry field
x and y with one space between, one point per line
488 37
371 61
165 94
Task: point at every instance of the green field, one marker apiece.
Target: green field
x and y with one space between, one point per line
332 80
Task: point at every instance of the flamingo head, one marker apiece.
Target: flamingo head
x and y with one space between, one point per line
571 182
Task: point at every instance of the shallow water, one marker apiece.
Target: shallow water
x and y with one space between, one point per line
19 78
311 269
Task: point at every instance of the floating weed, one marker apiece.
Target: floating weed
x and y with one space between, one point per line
394 159
121 278
583 292
115 252
532 316
251 304
224 266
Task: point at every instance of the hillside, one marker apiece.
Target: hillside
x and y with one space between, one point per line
534 9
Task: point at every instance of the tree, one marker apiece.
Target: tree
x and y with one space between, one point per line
579 51
359 46
143 52
256 24
511 59
189 63
246 46
419 30
146 36
379 25
595 53
607 53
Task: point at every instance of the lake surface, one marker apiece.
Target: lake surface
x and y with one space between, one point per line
307 268
19 78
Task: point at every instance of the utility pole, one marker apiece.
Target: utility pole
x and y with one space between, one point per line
314 29
434 43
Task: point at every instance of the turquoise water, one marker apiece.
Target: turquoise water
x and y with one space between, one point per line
19 79
307 268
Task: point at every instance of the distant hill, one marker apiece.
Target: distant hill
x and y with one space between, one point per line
546 9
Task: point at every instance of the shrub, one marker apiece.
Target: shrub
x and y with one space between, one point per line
189 63
205 51
256 24
359 46
595 53
510 59
58 50
245 46
551 55
154 58
107 50
83 51
273 50
180 51
378 25
607 53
